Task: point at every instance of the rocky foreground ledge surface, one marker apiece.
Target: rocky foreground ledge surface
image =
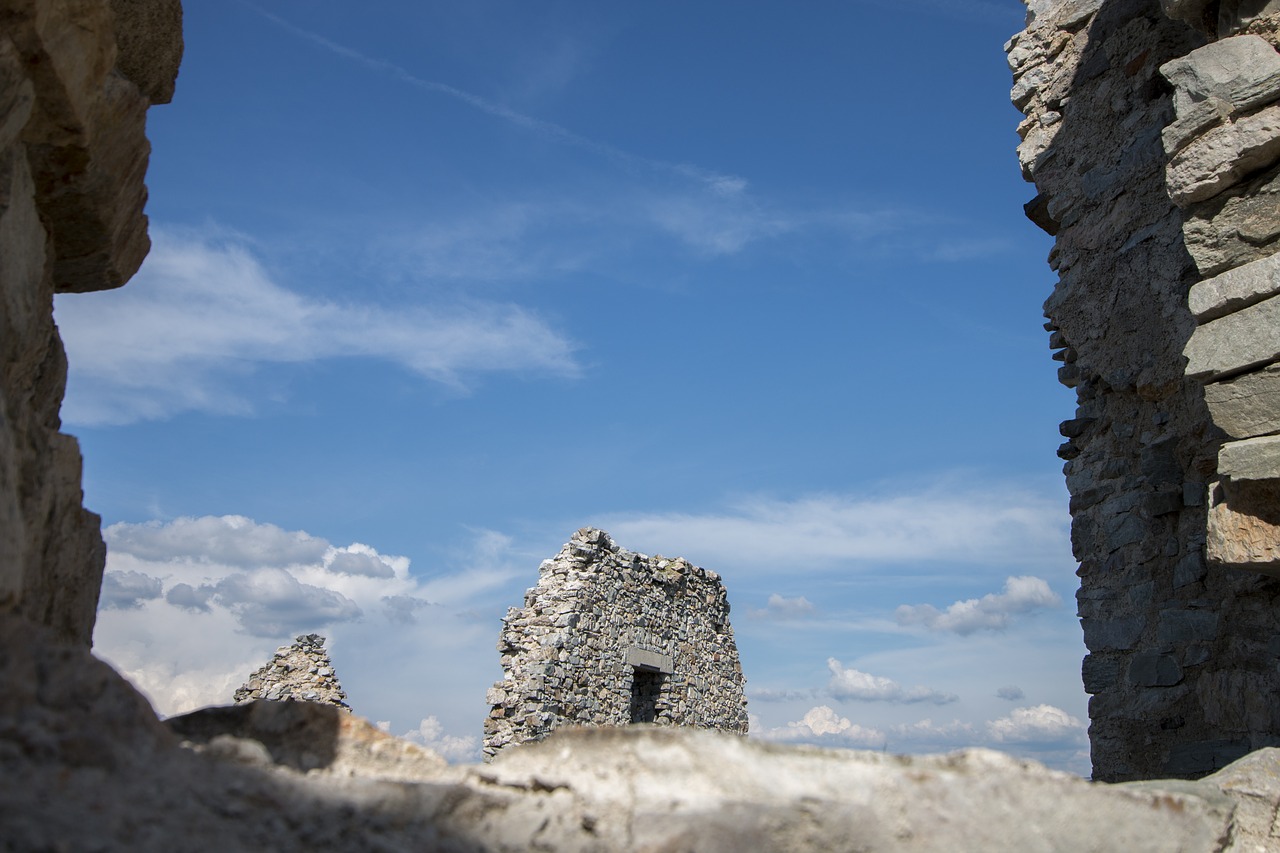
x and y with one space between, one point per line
87 766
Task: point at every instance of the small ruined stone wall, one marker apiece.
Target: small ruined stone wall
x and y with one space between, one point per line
76 79
301 672
609 637
1151 183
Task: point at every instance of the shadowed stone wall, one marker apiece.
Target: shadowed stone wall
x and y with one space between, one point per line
1137 148
610 637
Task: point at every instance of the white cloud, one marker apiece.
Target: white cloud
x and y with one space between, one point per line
852 684
127 590
1038 725
951 523
430 733
200 616
229 540
992 612
823 726
780 607
202 311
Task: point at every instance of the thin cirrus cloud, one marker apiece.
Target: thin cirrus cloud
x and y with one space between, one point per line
852 684
202 311
999 526
781 607
992 612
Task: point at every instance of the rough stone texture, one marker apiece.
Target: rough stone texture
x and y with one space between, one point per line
1248 338
301 672
612 637
89 768
1235 289
72 157
1223 155
1247 405
1173 693
1251 459
1244 526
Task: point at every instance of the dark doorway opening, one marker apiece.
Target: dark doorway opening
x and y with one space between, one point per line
646 687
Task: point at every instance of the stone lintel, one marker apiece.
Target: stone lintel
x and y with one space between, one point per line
650 661
1249 337
1235 289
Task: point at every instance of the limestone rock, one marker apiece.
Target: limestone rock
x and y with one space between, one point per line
1251 459
1217 82
1223 155
301 672
612 637
1243 526
1235 289
1249 337
306 736
1247 405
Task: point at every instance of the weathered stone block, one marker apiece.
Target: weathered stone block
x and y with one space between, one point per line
1223 155
1153 669
1218 81
1235 289
1179 627
1251 459
1246 338
1243 527
1248 405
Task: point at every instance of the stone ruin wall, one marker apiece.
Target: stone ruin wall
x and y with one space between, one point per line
1154 149
76 79
300 672
609 637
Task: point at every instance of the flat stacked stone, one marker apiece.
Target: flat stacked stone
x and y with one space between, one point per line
301 672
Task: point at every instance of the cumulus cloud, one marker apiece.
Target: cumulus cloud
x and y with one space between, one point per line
780 607
208 599
430 733
127 590
1038 725
851 684
1010 692
229 540
822 725
401 608
947 522
992 612
203 310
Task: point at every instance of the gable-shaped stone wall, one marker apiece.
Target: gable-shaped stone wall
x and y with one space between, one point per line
609 637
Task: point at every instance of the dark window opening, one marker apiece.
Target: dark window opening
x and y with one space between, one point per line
645 690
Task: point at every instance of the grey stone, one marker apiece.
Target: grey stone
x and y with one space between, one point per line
654 661
1112 634
1219 81
1099 673
1179 627
1251 459
1154 669
1190 569
1235 289
1223 155
1244 339
1199 757
1248 405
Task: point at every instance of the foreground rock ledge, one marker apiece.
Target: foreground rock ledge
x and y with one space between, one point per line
87 766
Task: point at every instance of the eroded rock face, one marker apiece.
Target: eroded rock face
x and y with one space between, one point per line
609 637
73 101
1155 155
301 672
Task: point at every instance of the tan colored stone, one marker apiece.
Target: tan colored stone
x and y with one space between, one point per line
1243 528
1224 155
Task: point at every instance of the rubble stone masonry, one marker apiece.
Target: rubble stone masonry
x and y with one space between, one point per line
1153 137
612 637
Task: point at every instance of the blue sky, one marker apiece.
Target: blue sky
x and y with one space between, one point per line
435 284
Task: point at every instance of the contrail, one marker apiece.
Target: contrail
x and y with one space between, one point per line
721 184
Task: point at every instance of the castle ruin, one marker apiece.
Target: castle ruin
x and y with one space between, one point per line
1152 134
610 637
